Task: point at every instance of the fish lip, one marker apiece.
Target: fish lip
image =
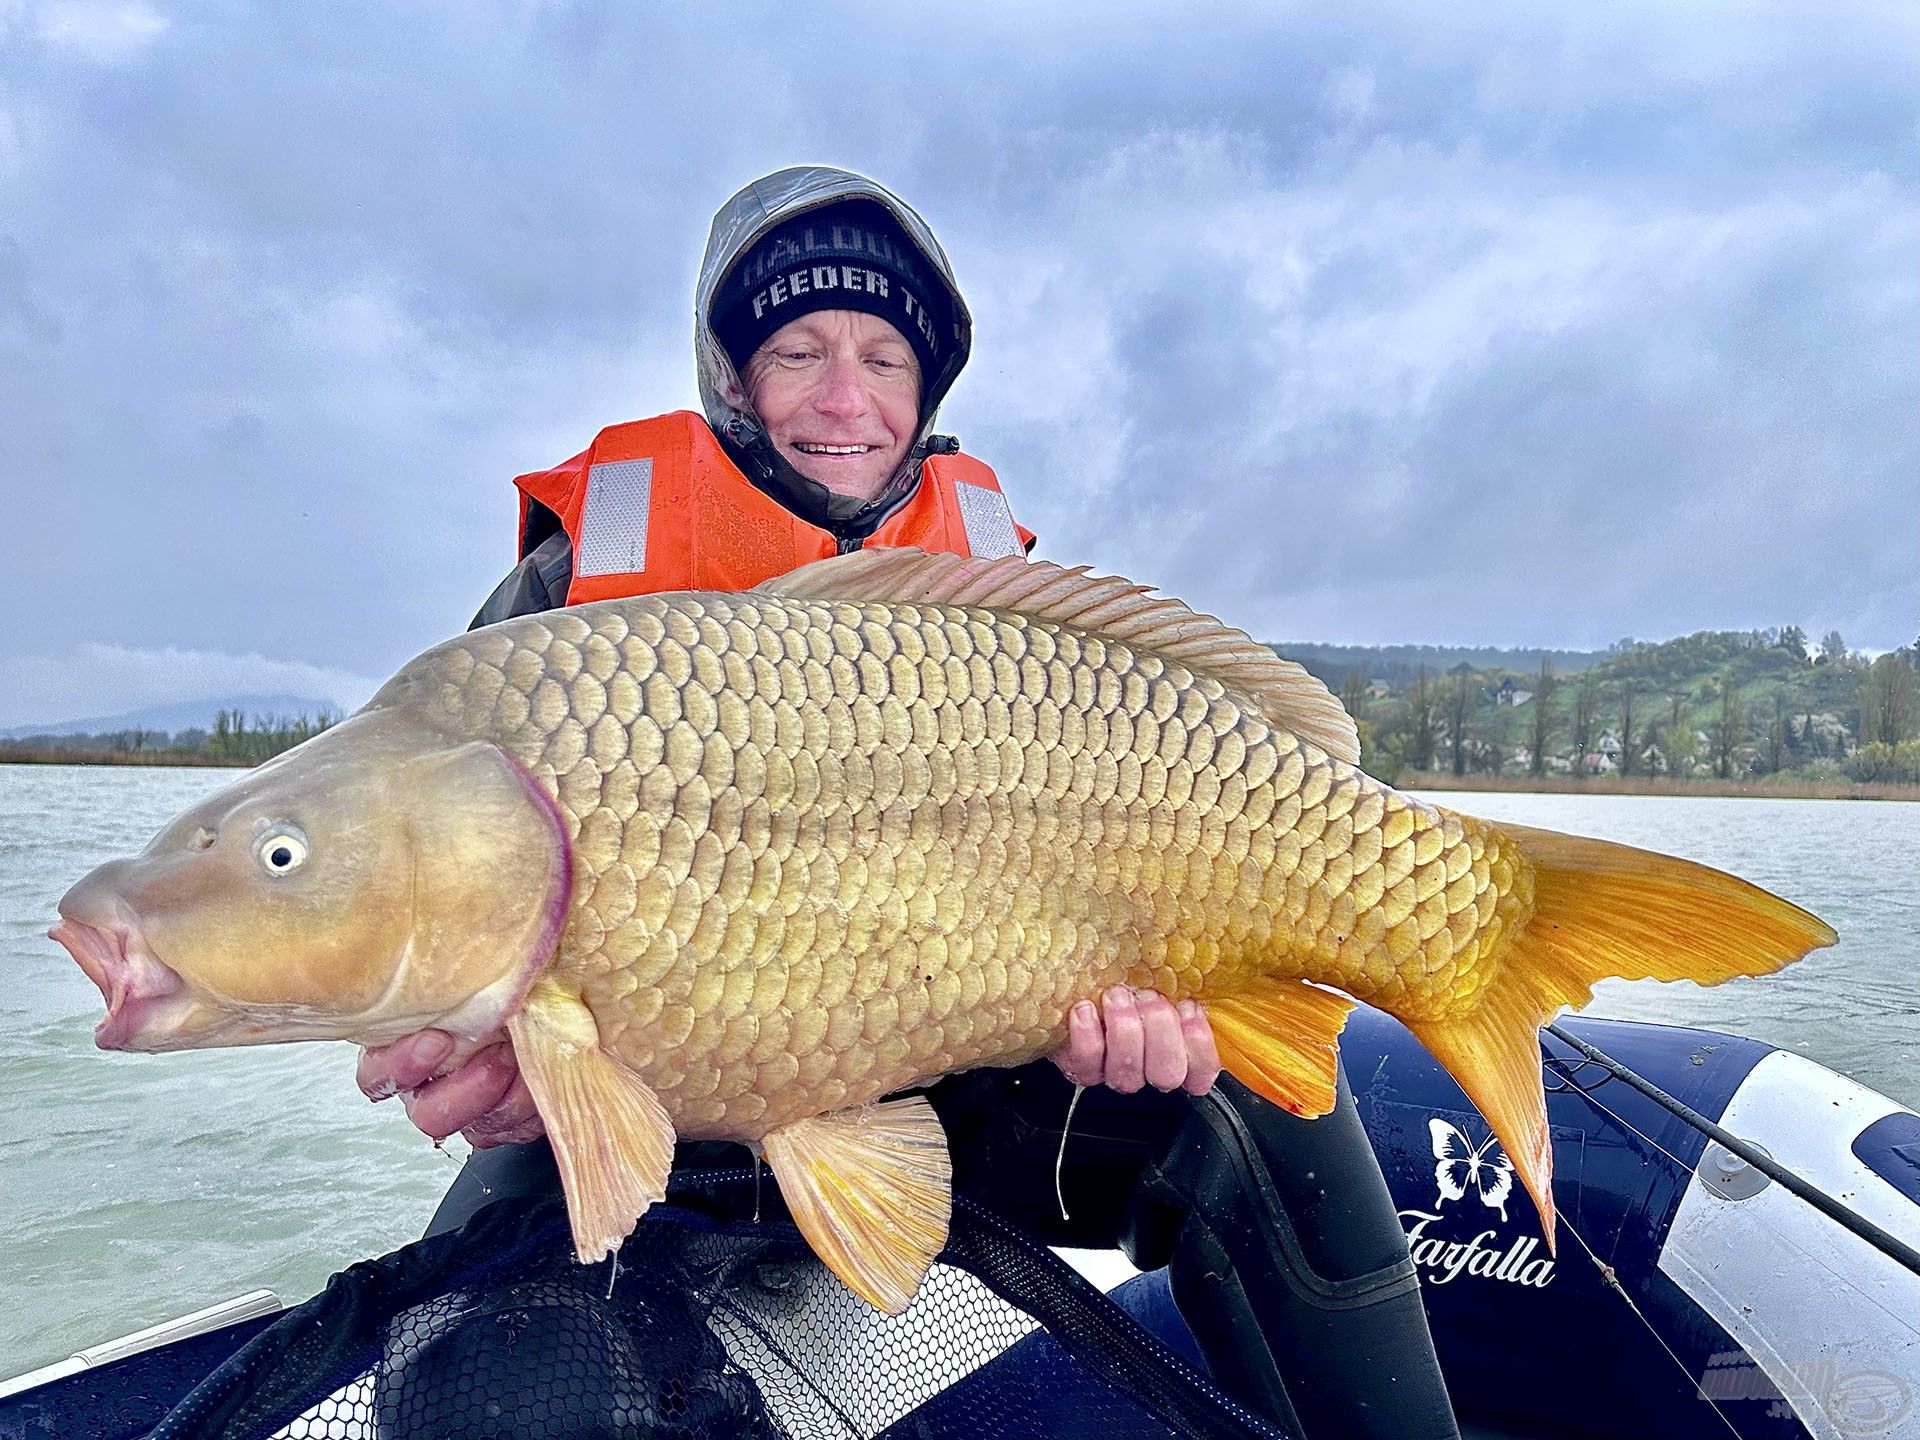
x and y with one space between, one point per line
132 980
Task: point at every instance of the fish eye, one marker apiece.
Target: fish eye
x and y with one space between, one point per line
282 849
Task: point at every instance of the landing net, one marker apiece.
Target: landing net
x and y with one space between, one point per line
709 1326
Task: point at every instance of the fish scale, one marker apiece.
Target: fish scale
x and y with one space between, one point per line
825 851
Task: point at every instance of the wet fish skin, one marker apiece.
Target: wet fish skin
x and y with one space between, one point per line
733 866
432 888
823 851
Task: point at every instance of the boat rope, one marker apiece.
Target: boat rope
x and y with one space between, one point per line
755 1149
1591 1098
1060 1160
1612 1281
1852 1220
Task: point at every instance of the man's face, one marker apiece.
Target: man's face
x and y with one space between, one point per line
839 394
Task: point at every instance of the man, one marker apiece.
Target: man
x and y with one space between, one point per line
827 341
828 330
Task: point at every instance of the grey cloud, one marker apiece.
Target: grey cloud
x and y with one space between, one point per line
1573 417
1304 317
23 320
98 679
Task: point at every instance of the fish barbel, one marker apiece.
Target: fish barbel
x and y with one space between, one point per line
737 866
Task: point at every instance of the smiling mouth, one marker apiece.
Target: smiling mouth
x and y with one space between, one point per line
132 981
808 447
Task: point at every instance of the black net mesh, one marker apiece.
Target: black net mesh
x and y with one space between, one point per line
707 1327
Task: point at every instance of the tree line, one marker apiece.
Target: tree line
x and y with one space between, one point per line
1730 705
232 738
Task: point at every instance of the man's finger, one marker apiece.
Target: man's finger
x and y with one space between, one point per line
1125 1069
514 1121
1203 1056
406 1064
1165 1056
1083 1058
457 1100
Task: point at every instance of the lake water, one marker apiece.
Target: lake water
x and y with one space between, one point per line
135 1188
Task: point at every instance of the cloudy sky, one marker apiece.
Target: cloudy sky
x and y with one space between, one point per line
1509 324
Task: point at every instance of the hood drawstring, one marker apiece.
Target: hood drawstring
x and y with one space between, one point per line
849 520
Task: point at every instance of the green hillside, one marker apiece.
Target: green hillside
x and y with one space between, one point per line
1729 705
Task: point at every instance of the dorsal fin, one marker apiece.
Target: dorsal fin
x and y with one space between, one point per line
1286 694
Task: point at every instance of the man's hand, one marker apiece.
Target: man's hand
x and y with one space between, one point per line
1133 1038
482 1095
1136 1038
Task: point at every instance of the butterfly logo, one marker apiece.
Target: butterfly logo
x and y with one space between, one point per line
1464 1167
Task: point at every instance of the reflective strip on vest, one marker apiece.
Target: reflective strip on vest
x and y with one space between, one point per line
656 505
987 520
613 522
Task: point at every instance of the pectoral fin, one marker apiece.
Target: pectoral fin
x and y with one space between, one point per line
872 1190
612 1139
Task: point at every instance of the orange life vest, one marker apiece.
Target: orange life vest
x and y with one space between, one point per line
656 505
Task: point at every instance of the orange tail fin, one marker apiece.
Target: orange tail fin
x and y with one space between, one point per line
1600 910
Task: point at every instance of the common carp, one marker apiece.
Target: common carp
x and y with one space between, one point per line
737 866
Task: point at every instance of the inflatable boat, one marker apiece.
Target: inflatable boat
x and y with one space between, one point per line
1738 1254
1692 1294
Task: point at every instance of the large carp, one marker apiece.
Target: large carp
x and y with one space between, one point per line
737 866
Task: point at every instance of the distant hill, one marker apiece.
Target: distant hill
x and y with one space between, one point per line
1397 665
1725 704
181 715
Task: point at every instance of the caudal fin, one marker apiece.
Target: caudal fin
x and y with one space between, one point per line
1599 910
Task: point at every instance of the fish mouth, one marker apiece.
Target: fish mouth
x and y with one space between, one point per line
135 983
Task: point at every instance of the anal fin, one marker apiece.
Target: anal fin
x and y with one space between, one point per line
1281 1040
611 1138
872 1190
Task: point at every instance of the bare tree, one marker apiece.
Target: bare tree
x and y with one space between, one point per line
1586 709
1626 727
1889 702
1353 694
1422 723
224 743
1777 734
1457 721
1727 731
1678 740
1542 717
